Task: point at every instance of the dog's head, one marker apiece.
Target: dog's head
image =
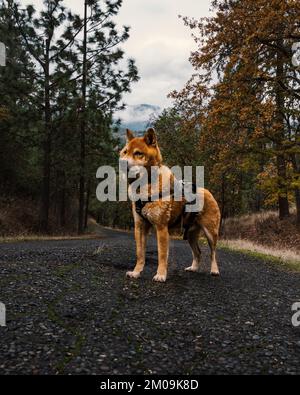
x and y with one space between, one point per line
141 151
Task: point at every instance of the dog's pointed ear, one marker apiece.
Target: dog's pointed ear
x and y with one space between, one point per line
129 135
150 137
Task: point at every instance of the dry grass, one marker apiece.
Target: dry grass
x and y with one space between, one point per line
94 231
19 218
34 237
283 255
249 220
264 229
265 236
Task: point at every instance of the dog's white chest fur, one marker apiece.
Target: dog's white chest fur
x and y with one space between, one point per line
155 210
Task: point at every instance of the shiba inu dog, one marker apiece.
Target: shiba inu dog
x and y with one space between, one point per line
163 214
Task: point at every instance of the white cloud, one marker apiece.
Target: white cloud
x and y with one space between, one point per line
161 45
159 42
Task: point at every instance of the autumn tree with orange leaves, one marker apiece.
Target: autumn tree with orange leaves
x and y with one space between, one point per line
249 114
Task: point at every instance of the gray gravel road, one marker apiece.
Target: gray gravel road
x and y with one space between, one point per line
70 310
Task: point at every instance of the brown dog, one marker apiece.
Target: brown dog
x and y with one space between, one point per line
163 214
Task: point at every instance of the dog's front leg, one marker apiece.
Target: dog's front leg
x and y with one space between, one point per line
141 230
163 252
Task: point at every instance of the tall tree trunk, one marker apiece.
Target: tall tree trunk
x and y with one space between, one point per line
45 194
83 127
297 198
63 201
258 194
221 227
296 167
87 203
283 203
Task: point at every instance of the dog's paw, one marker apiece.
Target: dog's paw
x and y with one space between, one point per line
161 278
192 269
133 274
215 273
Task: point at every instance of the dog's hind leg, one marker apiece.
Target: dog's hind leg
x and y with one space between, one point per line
141 231
193 236
212 238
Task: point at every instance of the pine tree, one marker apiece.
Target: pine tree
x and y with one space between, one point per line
18 107
247 47
102 81
76 80
39 34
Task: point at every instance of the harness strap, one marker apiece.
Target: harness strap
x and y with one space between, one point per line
139 205
186 218
189 217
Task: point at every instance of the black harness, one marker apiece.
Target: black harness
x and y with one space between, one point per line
186 218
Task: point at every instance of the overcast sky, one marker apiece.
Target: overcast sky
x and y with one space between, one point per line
161 45
159 42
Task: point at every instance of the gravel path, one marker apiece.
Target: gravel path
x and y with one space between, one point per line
70 310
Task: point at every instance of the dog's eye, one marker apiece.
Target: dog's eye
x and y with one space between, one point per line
138 153
125 152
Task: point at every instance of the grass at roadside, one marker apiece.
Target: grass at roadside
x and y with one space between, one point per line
285 258
94 231
22 238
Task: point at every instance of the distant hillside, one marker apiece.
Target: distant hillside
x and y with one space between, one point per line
137 117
